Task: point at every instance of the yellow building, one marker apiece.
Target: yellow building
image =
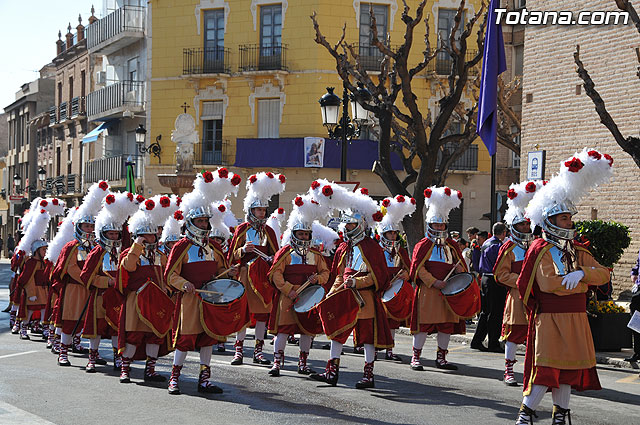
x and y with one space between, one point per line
251 74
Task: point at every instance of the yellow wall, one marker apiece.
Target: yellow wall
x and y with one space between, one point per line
311 70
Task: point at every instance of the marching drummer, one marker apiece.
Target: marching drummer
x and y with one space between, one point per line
145 321
508 267
296 265
398 263
99 276
193 262
69 264
359 265
252 248
555 277
434 258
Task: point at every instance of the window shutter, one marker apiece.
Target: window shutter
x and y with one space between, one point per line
211 110
268 118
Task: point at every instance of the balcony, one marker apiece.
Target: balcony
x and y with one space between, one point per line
218 154
72 186
441 64
53 117
370 56
266 58
111 168
78 108
63 112
468 161
48 186
112 100
62 185
199 61
117 30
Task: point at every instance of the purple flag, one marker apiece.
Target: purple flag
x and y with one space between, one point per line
493 64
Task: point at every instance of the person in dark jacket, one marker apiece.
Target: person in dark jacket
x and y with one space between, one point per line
635 306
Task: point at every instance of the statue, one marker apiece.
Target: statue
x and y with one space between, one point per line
184 136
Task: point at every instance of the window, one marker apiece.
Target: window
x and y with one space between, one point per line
268 118
132 69
518 60
211 152
69 158
519 4
446 22
515 159
83 81
213 41
70 90
370 55
59 93
58 160
270 30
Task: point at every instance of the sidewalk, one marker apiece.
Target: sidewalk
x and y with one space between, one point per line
610 359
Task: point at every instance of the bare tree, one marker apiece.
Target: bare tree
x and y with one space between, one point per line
629 144
427 148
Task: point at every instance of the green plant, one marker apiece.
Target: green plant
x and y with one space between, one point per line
607 239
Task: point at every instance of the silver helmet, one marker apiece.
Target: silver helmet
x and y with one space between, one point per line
110 243
301 246
358 233
195 233
216 233
437 236
554 232
146 228
81 235
37 244
252 219
388 244
520 238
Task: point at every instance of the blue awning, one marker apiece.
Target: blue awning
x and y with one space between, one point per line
92 136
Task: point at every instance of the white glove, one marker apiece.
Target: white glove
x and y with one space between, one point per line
636 288
33 298
571 280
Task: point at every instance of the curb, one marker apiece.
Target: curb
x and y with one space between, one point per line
601 359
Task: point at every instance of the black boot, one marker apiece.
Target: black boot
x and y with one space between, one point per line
330 374
560 415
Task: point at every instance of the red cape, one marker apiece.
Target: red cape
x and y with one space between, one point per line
178 252
505 249
68 254
272 240
92 265
372 254
422 251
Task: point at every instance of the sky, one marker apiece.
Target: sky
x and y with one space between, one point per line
29 29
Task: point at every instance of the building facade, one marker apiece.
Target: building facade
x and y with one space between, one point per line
251 75
559 118
116 103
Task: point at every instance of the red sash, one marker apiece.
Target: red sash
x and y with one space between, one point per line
257 273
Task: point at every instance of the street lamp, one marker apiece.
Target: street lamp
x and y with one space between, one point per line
154 149
344 128
42 176
17 182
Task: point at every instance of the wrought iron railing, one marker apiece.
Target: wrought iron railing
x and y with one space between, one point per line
111 168
370 56
254 57
216 153
443 61
205 61
115 95
53 115
468 161
127 18
77 106
72 183
63 111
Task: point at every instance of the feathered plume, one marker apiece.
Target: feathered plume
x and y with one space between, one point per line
440 201
263 186
275 222
577 177
518 197
92 201
333 196
394 210
36 230
172 226
217 185
116 208
230 219
64 235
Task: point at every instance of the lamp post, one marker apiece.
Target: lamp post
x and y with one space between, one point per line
42 176
17 182
344 127
154 149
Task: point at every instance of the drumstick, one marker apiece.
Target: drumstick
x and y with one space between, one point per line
223 273
451 271
204 291
300 289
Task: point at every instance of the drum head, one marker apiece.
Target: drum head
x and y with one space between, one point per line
309 298
392 291
457 283
229 289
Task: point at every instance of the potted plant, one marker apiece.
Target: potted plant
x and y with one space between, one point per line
606 240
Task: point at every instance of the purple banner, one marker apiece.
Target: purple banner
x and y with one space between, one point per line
281 153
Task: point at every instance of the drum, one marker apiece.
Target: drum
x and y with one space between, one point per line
228 290
155 308
462 295
339 312
226 311
397 300
309 298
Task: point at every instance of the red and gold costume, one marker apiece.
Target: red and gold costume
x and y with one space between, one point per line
431 313
253 271
73 292
395 264
289 271
32 282
559 345
364 262
506 272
